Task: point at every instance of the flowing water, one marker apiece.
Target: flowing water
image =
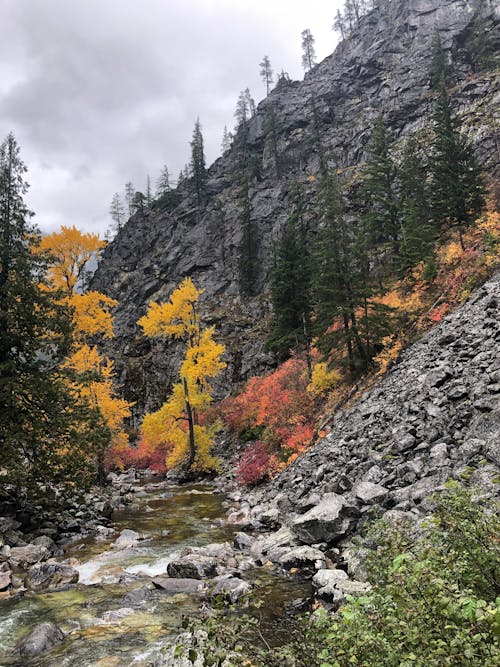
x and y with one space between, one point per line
171 518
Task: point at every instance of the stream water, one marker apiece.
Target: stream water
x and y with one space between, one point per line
97 634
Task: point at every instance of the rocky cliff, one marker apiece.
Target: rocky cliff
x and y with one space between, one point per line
383 67
435 416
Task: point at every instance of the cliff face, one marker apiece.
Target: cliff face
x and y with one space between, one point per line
381 68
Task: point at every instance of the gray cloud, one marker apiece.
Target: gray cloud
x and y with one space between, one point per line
99 92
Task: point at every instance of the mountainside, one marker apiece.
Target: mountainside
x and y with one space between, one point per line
383 67
435 416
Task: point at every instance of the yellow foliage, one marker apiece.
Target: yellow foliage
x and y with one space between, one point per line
70 250
94 383
322 379
177 317
91 314
391 351
450 253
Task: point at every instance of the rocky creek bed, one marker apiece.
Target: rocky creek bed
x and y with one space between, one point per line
117 595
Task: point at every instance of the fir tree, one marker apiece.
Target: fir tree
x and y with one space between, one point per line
163 183
250 102
227 138
149 194
308 51
129 197
379 189
291 285
266 73
242 111
457 184
117 212
198 168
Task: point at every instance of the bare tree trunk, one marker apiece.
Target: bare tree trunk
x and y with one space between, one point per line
190 418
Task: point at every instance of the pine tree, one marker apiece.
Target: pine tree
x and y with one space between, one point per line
227 138
309 54
242 111
266 73
339 25
198 168
379 189
416 242
149 193
291 285
457 184
129 197
117 212
45 434
163 183
250 102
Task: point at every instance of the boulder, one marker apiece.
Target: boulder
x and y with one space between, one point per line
193 566
127 538
179 585
42 638
325 581
243 541
28 555
116 615
49 576
328 522
303 557
5 576
231 588
370 493
138 595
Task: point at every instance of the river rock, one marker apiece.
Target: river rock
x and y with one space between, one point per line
231 588
303 557
325 581
116 615
127 538
28 555
175 586
193 566
138 595
48 576
328 522
243 541
42 638
5 576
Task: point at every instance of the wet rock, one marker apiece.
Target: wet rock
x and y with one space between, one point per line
50 576
5 576
117 615
138 595
230 588
174 586
193 566
127 538
28 555
43 637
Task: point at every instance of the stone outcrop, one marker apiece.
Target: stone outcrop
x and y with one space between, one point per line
435 416
383 67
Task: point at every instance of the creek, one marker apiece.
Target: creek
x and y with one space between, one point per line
102 628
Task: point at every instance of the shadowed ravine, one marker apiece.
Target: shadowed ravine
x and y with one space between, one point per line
97 632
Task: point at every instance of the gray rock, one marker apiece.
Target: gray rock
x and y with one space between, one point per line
49 576
303 557
127 538
193 566
231 588
137 595
370 493
43 637
325 581
28 555
243 541
177 585
5 576
327 522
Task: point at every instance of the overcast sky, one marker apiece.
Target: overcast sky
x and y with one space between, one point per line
99 92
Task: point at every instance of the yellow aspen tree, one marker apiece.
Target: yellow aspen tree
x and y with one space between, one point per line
176 423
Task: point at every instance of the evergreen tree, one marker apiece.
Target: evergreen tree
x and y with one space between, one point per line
457 184
308 51
291 285
198 168
227 138
138 202
117 212
250 102
129 197
379 189
339 25
46 433
480 42
242 112
247 248
163 183
266 73
439 69
149 194
416 242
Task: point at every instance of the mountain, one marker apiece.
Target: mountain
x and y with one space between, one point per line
381 68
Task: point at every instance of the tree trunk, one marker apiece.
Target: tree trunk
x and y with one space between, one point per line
190 417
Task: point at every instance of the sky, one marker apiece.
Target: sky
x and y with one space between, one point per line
101 92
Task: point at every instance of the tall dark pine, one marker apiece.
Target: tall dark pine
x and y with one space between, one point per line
39 419
198 168
266 73
163 183
117 212
379 189
457 184
129 197
291 286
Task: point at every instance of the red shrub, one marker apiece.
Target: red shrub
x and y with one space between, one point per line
253 466
142 456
